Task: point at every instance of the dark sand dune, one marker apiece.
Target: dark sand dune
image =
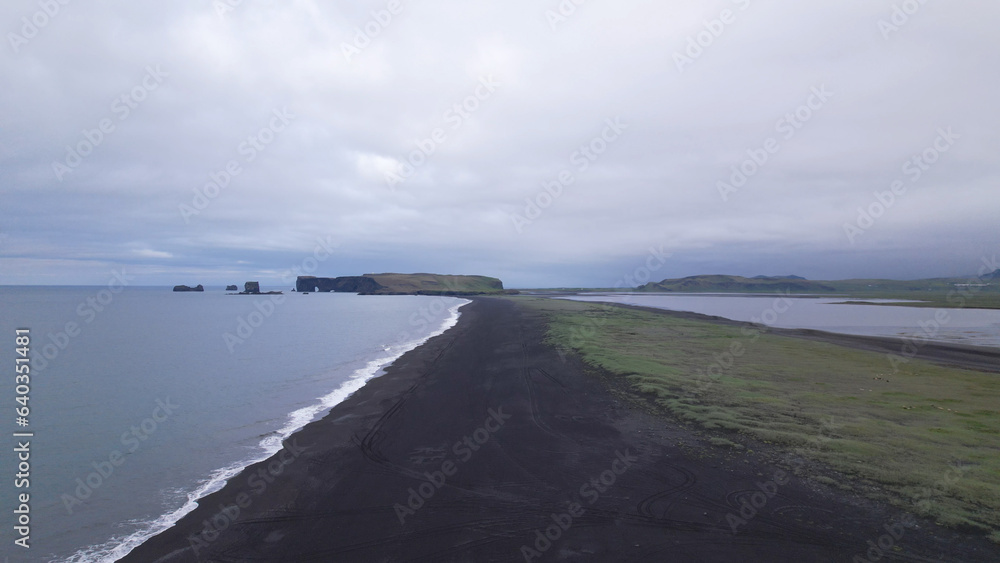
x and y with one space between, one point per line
665 497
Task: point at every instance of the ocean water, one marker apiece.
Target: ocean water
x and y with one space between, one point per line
975 327
150 399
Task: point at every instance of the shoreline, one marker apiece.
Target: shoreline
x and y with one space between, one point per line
939 300
169 544
966 356
343 487
271 445
819 334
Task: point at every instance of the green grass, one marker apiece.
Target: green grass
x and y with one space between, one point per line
928 436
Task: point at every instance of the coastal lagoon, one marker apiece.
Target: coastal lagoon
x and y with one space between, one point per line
153 399
978 327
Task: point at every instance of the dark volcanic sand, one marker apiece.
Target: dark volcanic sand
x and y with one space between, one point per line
669 502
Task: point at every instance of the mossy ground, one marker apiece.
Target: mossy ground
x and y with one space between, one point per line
927 436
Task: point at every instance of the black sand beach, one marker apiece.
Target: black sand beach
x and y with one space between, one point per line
478 443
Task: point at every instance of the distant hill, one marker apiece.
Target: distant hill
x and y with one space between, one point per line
402 284
797 284
777 278
722 283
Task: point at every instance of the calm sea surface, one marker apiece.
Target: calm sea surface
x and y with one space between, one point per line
979 327
182 390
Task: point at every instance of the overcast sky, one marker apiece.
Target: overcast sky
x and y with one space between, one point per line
411 136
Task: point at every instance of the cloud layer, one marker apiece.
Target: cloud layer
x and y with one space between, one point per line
546 144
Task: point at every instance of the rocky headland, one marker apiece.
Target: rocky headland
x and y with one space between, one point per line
402 284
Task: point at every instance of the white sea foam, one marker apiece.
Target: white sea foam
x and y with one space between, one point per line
118 547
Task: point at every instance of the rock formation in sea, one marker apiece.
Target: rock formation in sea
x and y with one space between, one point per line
188 288
402 284
253 288
348 284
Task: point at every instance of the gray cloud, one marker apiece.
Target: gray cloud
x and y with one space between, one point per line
360 115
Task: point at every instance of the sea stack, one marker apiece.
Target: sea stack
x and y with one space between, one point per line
188 288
